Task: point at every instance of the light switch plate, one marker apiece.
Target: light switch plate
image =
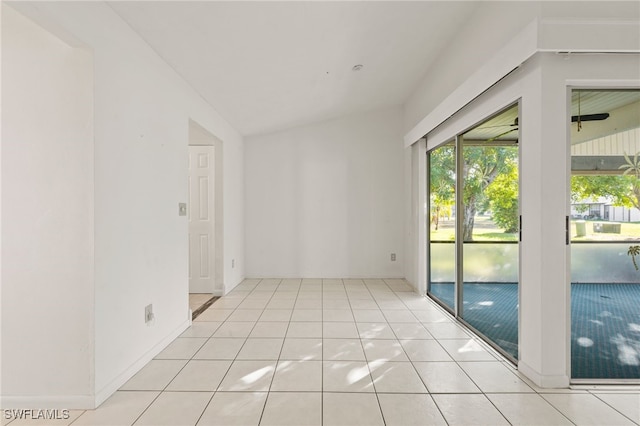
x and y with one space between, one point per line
182 209
148 313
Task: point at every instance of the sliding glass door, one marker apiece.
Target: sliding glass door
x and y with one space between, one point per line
474 255
441 166
605 228
490 228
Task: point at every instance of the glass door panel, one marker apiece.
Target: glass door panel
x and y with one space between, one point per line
442 236
489 228
605 228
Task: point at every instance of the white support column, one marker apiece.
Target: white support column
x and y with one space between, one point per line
544 290
416 270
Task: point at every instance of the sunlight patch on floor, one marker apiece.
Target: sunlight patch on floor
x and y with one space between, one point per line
628 350
256 375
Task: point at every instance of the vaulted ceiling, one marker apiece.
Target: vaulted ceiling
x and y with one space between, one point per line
267 66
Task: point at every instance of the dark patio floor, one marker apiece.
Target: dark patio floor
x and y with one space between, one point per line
605 324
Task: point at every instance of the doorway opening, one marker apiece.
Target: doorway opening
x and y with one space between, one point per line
604 227
474 229
205 218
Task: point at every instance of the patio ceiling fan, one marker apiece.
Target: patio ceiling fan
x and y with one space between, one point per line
511 128
587 117
574 119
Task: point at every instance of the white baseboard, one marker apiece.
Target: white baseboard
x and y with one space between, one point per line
82 402
543 381
104 393
324 276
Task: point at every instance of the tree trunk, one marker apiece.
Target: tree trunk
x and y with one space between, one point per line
468 221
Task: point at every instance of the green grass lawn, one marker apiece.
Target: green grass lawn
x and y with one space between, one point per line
486 230
629 231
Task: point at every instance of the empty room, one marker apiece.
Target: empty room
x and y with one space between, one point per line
320 212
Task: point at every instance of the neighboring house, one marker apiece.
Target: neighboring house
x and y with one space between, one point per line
602 209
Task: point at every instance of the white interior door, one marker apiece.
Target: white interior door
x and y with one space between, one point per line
201 219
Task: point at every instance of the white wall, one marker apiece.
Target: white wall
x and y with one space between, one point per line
142 112
47 218
560 25
325 200
142 121
492 26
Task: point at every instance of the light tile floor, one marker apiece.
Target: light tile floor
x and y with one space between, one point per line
341 352
198 299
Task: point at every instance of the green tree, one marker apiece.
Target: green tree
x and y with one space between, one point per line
632 171
442 181
503 198
442 176
482 166
617 188
621 190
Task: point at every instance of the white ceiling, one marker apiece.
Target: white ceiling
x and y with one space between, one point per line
267 66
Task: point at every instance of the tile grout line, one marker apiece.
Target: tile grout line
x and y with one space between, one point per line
226 372
416 370
502 361
482 392
266 400
462 369
232 361
160 392
614 408
368 364
380 292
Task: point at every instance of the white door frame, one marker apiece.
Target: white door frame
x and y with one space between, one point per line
201 214
198 135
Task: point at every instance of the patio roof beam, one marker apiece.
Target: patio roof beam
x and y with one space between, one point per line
597 164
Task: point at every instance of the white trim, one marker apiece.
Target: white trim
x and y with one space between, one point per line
325 276
475 114
548 35
508 92
554 382
602 84
510 57
422 217
198 135
563 35
128 373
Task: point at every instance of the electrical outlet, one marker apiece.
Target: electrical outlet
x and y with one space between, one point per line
393 257
148 313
